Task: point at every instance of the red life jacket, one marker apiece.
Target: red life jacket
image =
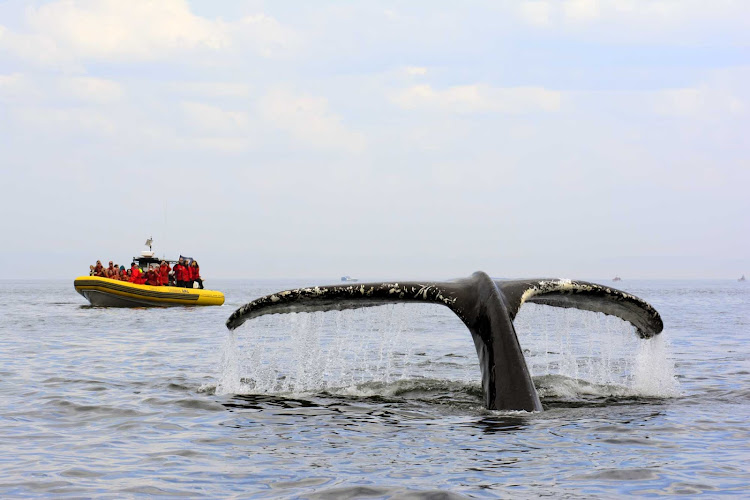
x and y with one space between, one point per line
164 274
180 272
195 273
152 278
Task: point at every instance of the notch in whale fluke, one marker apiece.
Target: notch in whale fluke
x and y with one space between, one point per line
485 306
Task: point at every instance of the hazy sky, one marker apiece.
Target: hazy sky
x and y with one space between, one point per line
578 138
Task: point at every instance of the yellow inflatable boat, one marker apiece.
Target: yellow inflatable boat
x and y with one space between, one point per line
105 292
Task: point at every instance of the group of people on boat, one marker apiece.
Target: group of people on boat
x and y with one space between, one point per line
184 274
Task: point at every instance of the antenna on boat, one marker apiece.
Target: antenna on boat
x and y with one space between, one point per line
149 241
164 231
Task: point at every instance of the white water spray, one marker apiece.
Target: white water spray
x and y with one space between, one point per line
315 352
580 352
229 378
654 373
570 353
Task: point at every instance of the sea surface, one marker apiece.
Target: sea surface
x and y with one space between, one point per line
381 402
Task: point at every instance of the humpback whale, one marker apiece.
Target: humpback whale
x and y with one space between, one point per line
486 306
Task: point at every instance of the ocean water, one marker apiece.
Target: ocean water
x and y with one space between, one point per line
373 403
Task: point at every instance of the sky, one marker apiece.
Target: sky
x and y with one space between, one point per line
384 140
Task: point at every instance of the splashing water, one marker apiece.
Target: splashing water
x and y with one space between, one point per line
314 352
569 352
572 352
654 373
229 378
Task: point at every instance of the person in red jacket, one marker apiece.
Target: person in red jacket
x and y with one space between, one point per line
152 277
180 273
189 274
135 274
187 283
195 274
164 273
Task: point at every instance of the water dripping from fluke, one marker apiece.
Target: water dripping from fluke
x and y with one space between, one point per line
311 358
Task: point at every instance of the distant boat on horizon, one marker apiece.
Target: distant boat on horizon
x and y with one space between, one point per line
348 278
742 278
616 278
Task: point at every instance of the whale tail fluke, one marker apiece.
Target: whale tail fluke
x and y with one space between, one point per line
485 306
582 295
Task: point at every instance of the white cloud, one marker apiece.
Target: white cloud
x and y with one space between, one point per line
129 30
11 85
697 101
36 48
20 88
676 21
91 89
66 120
479 98
265 35
214 120
309 120
137 30
221 144
415 71
536 13
9 80
581 10
211 89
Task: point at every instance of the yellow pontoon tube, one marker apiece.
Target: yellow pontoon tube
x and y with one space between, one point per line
104 292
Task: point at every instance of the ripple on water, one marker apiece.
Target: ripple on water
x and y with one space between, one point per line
383 402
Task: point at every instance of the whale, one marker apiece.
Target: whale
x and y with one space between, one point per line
486 306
